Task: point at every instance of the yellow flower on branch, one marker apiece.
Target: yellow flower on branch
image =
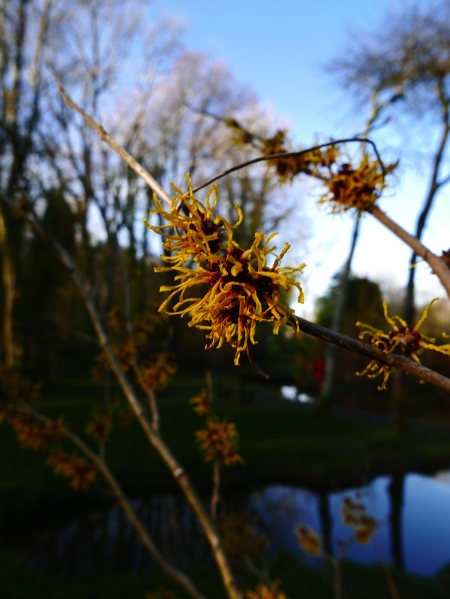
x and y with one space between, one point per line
243 288
201 403
219 441
402 339
74 467
191 231
156 373
36 434
265 592
355 187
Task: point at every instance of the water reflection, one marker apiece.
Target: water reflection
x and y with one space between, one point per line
413 513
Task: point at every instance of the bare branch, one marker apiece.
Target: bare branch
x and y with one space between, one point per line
291 155
132 163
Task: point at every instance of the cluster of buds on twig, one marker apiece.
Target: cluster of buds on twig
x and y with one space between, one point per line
219 439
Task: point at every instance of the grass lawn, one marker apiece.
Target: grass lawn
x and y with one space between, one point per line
279 443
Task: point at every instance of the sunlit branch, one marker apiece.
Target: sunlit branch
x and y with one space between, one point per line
438 265
132 163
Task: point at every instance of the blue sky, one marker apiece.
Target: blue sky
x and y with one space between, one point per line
279 50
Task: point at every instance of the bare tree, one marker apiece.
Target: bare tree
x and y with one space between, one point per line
403 67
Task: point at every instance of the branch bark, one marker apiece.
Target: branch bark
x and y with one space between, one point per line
402 363
134 164
439 267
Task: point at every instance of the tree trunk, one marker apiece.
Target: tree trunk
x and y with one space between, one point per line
331 351
9 293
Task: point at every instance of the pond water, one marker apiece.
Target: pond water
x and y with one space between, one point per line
413 514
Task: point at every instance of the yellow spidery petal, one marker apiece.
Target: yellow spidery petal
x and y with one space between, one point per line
425 314
240 216
280 257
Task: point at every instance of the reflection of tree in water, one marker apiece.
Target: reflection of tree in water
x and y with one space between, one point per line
280 508
396 490
104 540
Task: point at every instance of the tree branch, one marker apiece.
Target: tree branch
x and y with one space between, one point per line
132 163
282 155
400 362
437 264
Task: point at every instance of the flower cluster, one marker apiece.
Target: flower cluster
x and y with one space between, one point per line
156 373
402 339
73 467
239 538
16 386
348 185
354 514
243 288
101 424
354 187
124 343
219 441
309 540
201 403
33 433
265 592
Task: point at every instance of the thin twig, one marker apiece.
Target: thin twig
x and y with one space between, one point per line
132 162
156 420
255 365
215 495
209 385
80 334
282 155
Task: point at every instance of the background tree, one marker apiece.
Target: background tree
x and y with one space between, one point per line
402 67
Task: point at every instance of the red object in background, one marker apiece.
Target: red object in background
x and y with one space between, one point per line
319 369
